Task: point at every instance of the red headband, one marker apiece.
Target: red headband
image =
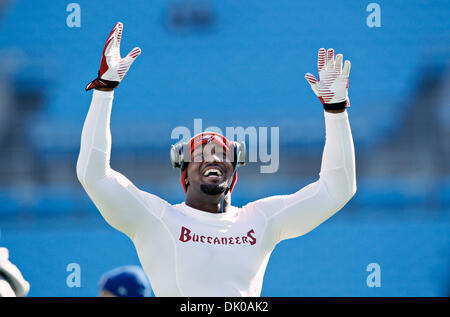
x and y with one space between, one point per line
205 138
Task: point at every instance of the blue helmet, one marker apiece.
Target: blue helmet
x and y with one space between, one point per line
126 281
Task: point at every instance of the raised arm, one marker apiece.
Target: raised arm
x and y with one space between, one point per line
121 204
293 215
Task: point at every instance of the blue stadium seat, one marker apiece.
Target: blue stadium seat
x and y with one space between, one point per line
247 71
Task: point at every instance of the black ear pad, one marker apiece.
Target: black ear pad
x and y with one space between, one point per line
177 154
184 165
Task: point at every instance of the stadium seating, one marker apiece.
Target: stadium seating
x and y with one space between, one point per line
248 70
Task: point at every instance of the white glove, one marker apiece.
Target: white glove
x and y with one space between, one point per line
113 68
12 275
332 86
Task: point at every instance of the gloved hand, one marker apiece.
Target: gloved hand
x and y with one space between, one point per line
113 68
332 86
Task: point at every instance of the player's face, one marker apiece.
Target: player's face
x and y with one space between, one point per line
210 169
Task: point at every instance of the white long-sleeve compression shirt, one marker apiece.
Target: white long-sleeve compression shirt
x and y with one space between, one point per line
189 252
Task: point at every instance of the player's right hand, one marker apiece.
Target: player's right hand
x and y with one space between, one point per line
113 68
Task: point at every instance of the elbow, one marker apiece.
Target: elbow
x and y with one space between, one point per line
340 194
340 187
92 171
351 193
80 171
345 197
352 187
353 190
79 176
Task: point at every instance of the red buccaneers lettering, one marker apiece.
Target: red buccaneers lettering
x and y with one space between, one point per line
186 235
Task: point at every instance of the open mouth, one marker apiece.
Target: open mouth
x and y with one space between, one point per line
212 172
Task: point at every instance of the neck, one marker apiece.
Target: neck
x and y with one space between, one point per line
208 205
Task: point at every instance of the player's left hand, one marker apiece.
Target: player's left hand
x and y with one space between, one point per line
332 86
